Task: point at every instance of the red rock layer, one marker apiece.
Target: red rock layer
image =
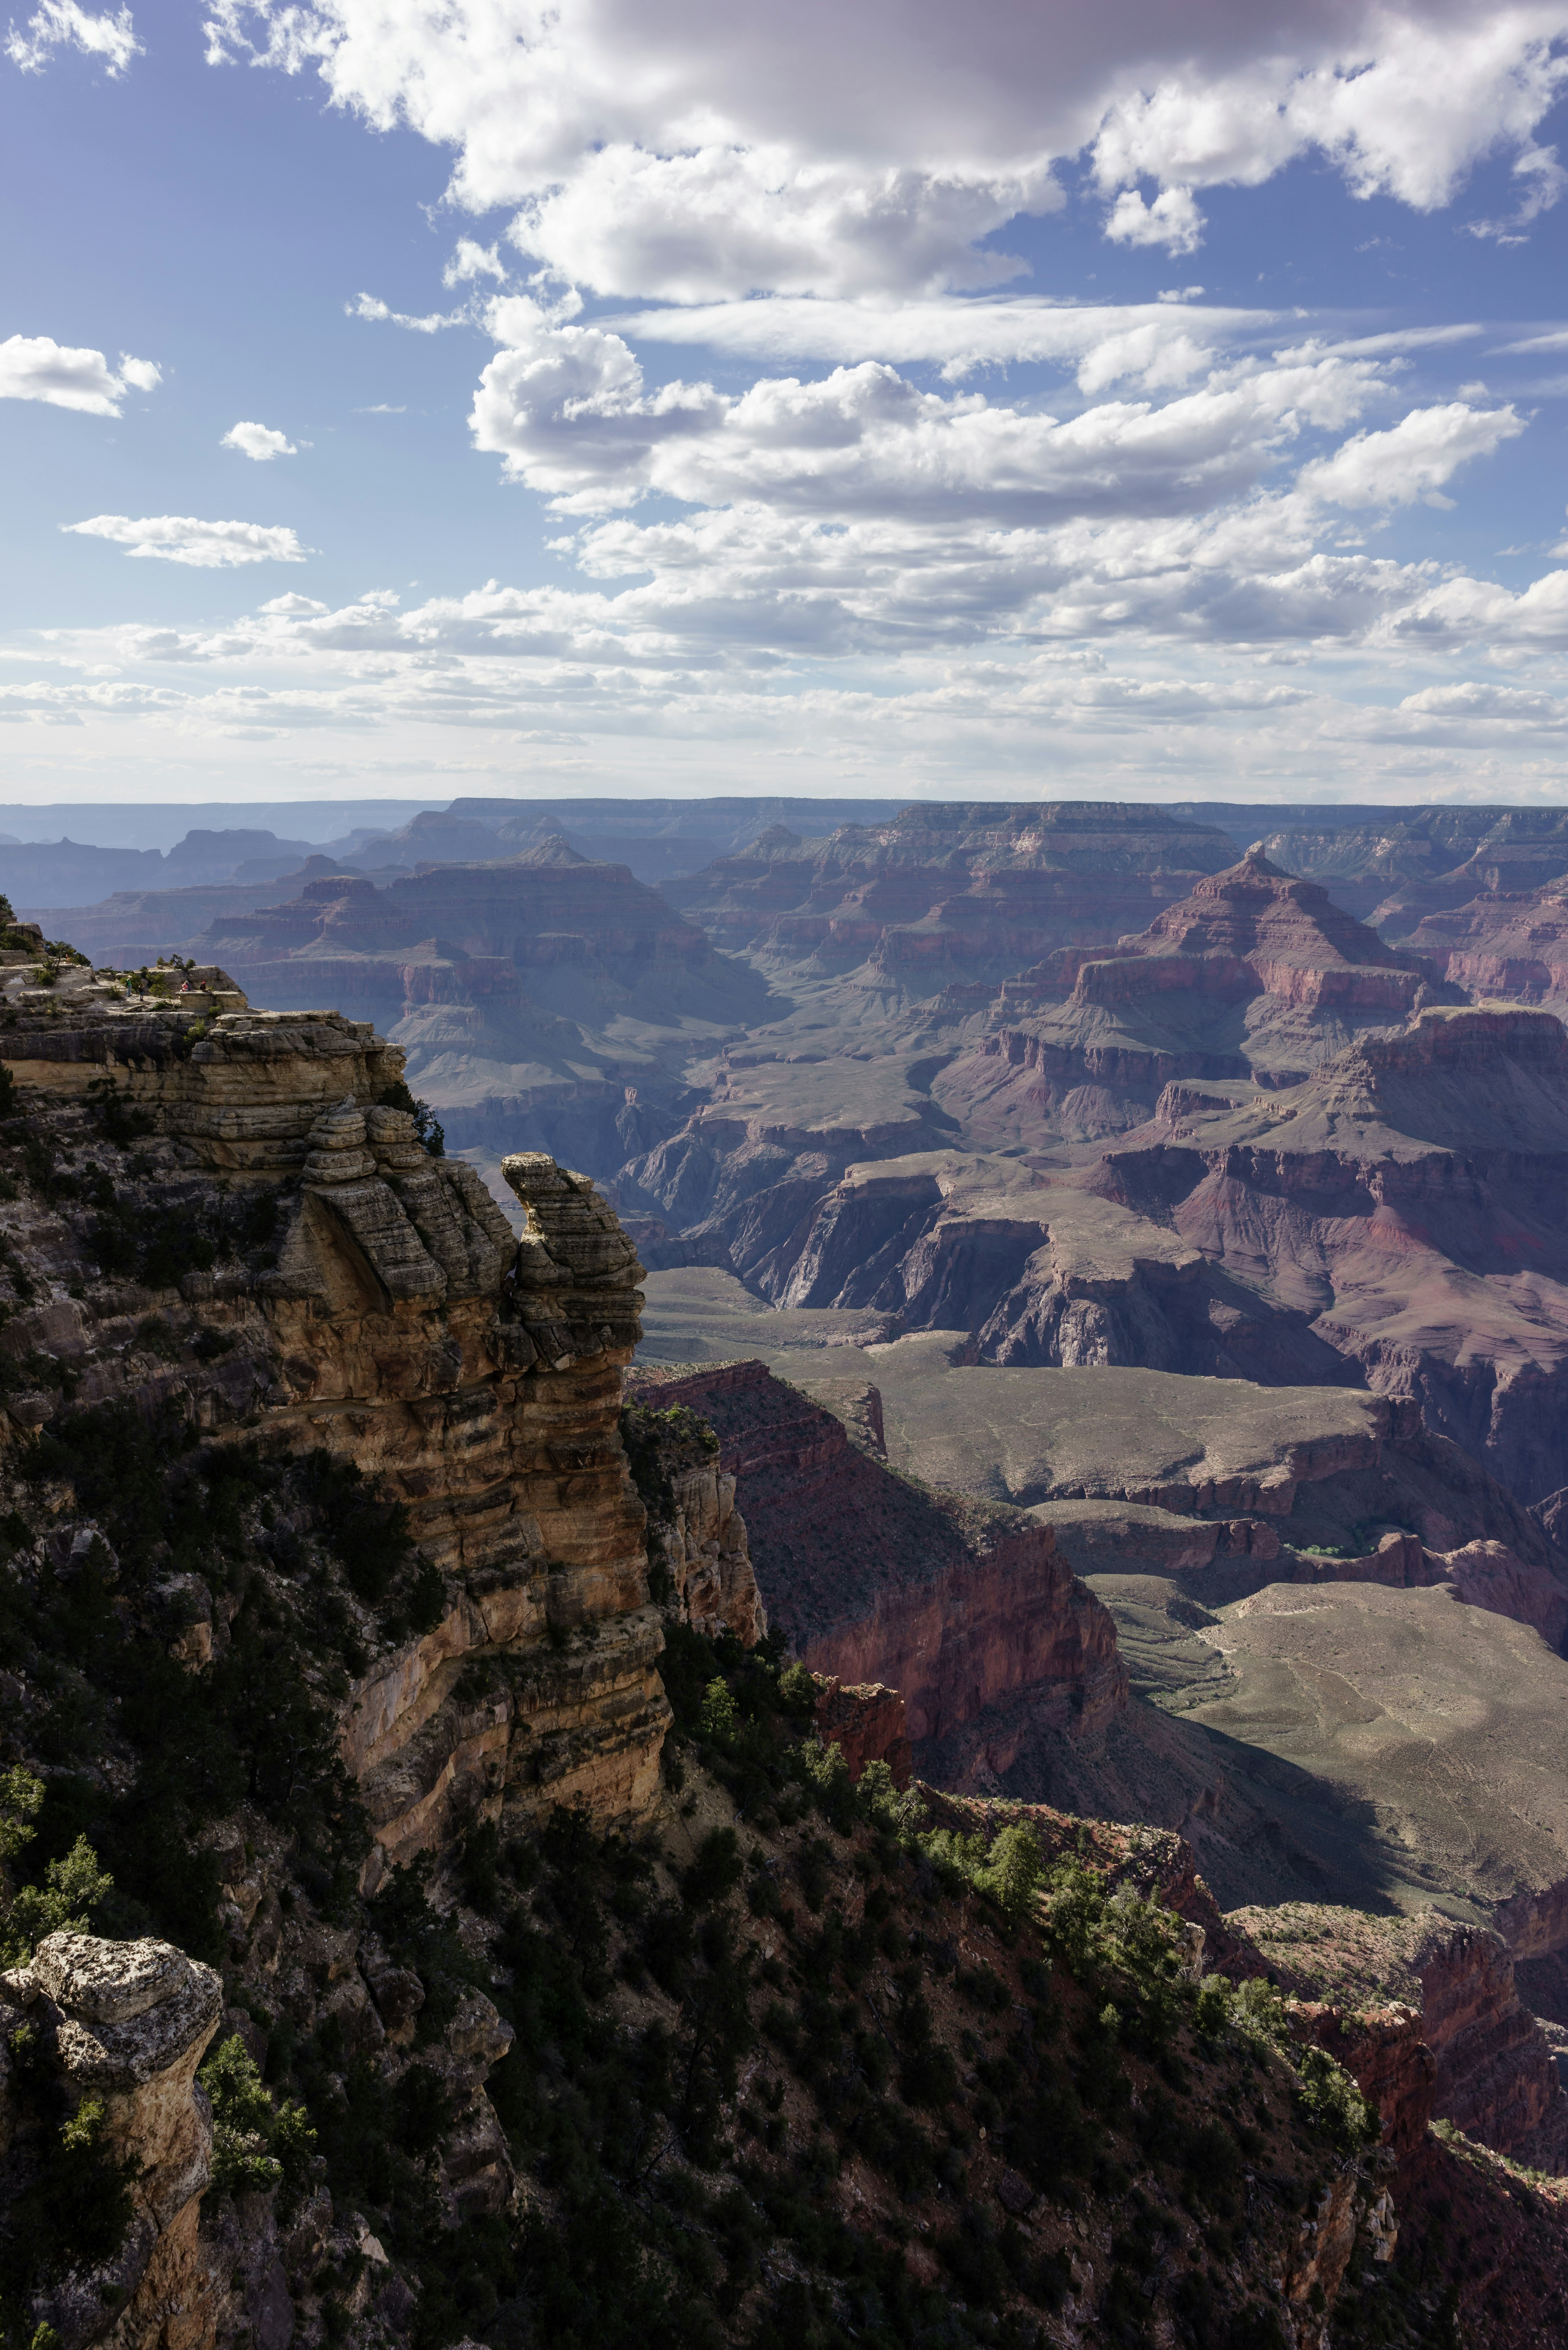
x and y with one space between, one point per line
958 1604
945 887
1510 942
868 1724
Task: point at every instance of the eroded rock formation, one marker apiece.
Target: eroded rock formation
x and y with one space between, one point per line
956 887
1493 2073
968 1611
109 2036
391 1319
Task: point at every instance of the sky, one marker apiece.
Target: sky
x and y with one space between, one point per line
420 398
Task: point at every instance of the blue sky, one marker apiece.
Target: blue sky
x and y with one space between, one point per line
766 492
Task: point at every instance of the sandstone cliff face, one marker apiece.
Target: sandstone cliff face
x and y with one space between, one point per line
967 1613
867 1723
394 1321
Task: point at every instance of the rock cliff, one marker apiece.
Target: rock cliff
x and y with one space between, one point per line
967 1611
526 994
1508 943
109 2036
321 1285
949 887
1253 974
1493 2073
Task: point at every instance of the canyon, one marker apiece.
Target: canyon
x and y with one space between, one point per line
1167 1437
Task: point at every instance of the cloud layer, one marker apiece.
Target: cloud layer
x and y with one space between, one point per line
181 538
692 154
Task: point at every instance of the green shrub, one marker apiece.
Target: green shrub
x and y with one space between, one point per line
73 1887
257 2142
716 1718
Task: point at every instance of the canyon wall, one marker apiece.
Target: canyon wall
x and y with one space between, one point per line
387 1316
967 1611
1493 2073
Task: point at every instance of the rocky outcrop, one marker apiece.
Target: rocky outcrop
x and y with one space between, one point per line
1255 975
1510 942
112 2032
1417 1171
867 1723
699 1559
1385 2050
1033 1269
393 1319
1493 2073
508 985
966 1610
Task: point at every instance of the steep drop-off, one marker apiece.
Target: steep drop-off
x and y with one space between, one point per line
267 1249
966 1609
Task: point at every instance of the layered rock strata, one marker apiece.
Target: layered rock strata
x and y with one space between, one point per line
964 886
1511 943
529 994
1405 1200
392 1319
967 1611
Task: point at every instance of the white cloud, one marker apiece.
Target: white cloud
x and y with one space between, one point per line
181 538
258 442
35 367
1413 460
470 261
1555 340
698 151
369 305
567 407
1172 220
1107 343
65 24
1404 101
1517 704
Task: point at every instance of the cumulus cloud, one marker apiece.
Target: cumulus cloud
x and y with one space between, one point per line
66 25
1172 220
181 538
1413 460
565 406
1516 705
471 260
698 151
1107 343
35 367
258 442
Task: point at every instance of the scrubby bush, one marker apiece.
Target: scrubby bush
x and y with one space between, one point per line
73 1887
257 2145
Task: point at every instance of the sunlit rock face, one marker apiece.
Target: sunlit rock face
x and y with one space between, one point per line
369 1300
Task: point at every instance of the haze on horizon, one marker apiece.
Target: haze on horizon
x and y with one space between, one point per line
495 399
